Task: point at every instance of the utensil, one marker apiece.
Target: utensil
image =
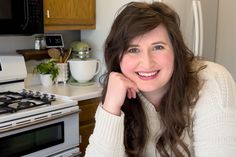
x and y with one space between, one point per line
55 54
67 56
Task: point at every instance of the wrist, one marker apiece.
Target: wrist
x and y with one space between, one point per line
112 109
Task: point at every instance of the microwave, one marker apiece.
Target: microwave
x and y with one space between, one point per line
21 17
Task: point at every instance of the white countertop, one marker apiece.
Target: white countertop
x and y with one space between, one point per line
77 93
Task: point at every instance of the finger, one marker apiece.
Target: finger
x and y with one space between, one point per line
129 93
132 85
133 91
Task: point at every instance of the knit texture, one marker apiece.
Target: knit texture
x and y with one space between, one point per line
213 131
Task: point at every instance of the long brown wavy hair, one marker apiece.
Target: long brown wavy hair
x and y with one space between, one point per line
138 18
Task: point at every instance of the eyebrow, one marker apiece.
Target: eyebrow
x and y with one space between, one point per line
158 42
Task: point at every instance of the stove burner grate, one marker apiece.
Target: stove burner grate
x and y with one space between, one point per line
11 102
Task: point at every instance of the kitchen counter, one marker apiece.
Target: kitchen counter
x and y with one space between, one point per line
77 93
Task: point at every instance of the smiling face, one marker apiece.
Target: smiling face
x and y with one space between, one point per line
149 61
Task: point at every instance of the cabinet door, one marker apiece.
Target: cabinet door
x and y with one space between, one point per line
86 120
69 13
85 132
87 112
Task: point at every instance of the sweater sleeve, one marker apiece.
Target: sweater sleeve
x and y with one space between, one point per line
107 138
214 125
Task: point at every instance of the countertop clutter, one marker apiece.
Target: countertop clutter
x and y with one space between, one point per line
77 93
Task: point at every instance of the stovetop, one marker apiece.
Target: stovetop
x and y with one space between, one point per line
11 102
19 104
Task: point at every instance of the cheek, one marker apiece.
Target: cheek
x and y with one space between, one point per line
169 64
167 60
127 64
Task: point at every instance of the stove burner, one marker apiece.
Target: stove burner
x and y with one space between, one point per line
23 105
6 110
2 100
11 102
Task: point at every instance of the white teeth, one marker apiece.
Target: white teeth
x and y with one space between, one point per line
147 74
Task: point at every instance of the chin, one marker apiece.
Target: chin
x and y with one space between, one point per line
148 89
153 88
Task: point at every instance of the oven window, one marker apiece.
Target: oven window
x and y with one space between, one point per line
31 141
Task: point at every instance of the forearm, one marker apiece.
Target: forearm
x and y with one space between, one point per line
107 137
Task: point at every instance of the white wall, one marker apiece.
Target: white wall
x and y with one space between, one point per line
11 43
226 35
105 14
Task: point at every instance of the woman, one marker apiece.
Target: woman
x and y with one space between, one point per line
158 99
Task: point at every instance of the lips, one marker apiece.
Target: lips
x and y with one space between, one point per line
148 75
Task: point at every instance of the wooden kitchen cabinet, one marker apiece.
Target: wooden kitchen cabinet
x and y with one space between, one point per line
69 14
86 121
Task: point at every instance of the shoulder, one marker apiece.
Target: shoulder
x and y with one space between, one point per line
217 74
214 71
214 120
219 88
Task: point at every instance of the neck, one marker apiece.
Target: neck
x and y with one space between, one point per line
155 97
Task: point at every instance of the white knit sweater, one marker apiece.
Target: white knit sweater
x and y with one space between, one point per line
213 131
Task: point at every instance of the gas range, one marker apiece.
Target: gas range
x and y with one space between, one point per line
26 107
32 123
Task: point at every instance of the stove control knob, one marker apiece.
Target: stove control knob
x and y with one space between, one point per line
24 92
31 93
53 97
45 95
37 94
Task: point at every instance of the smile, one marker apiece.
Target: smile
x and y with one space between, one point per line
148 74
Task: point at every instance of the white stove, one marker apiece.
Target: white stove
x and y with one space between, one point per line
32 123
28 107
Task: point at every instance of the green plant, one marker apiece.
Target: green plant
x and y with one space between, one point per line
48 67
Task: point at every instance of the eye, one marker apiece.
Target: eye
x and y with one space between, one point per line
133 50
158 47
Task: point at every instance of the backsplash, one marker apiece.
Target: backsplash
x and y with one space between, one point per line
9 45
32 78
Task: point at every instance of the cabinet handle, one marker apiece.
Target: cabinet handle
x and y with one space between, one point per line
48 14
80 139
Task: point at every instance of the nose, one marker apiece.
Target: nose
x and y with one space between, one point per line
147 60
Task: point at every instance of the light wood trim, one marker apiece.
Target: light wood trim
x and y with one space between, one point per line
65 27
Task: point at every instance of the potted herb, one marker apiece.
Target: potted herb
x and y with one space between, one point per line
48 71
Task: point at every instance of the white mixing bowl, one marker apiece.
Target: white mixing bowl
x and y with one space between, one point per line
84 70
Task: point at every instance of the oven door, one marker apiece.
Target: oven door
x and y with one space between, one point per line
40 140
